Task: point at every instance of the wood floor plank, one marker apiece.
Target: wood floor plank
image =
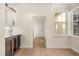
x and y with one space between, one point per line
23 52
39 43
43 51
50 52
35 52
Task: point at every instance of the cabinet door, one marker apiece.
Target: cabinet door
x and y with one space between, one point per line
18 41
13 45
8 47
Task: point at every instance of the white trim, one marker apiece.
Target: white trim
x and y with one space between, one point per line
61 35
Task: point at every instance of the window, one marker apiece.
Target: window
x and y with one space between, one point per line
60 26
76 21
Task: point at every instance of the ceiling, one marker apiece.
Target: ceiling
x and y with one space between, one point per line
32 6
43 6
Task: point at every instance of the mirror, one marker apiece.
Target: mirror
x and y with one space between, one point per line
10 16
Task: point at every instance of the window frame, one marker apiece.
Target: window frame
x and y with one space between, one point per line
77 20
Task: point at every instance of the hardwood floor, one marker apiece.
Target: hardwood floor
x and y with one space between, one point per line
39 42
40 50
45 52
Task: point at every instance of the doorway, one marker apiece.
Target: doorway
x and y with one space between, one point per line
39 32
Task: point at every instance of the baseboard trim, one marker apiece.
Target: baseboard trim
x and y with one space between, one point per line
39 38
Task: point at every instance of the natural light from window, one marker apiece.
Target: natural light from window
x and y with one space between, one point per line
60 23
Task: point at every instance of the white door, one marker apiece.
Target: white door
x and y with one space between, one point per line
39 25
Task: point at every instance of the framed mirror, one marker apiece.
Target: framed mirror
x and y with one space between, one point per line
10 16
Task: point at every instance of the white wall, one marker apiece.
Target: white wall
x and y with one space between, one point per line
25 23
2 24
59 42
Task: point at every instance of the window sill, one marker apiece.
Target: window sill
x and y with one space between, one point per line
61 35
64 35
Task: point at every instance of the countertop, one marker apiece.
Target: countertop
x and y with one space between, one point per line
9 36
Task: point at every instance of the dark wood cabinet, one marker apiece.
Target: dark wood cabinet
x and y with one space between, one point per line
8 47
12 44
